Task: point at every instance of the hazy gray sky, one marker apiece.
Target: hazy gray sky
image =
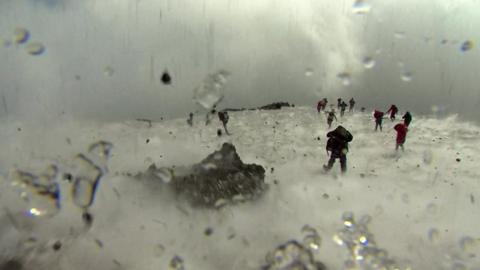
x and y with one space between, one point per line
104 58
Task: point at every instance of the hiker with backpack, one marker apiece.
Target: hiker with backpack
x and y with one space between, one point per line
402 130
337 145
352 104
321 105
223 117
393 111
378 115
330 116
343 107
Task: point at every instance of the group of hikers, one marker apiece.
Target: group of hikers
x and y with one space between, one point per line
338 139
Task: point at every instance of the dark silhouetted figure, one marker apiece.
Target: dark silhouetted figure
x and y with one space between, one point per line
378 115
321 105
407 118
223 117
337 145
393 111
343 107
352 104
402 130
339 102
190 119
330 116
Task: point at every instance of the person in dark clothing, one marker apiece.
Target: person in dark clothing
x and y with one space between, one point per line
407 118
378 115
402 130
393 111
337 145
190 119
352 104
321 105
339 102
330 116
223 117
343 107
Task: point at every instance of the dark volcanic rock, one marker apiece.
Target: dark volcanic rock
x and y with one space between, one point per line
292 256
220 178
275 106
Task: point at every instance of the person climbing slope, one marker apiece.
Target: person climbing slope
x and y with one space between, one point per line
352 104
337 145
343 107
223 117
330 116
393 111
407 118
402 130
378 115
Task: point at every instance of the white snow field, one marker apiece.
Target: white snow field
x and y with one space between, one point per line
424 202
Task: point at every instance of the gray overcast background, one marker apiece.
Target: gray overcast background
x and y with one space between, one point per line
267 45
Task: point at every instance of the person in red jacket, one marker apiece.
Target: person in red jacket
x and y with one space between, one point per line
321 105
402 130
393 111
378 115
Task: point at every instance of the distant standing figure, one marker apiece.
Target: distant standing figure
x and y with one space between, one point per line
321 105
190 119
393 111
407 118
339 102
223 117
402 130
378 115
337 145
330 116
343 107
352 104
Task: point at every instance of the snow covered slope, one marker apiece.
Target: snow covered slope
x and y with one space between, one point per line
423 202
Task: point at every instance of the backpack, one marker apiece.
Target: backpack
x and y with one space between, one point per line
338 139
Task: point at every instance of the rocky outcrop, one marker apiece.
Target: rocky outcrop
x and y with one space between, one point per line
219 179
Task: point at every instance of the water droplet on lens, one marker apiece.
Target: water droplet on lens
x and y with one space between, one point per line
40 192
312 241
164 174
361 7
211 90
467 244
166 78
85 182
348 219
108 71
368 62
100 153
35 48
21 35
176 263
309 72
345 77
466 46
407 76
